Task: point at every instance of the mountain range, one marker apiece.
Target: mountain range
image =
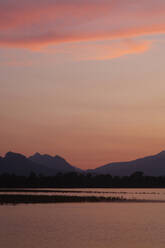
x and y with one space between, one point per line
18 164
150 166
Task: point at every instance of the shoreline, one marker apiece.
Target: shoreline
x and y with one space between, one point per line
36 199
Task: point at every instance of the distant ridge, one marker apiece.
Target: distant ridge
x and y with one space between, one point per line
18 164
53 162
151 166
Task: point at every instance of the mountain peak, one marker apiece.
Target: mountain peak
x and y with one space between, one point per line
10 153
53 162
58 157
13 155
162 153
37 154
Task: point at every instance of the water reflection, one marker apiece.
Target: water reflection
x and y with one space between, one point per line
115 225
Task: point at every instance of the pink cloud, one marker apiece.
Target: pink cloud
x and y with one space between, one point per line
39 23
104 50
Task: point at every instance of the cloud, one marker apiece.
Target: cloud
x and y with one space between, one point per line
124 48
106 50
37 23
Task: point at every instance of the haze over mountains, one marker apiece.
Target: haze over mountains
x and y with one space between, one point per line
18 164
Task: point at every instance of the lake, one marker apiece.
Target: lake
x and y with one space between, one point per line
84 225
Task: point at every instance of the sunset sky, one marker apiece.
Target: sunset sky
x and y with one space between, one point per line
84 79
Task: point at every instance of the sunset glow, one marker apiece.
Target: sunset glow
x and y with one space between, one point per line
82 79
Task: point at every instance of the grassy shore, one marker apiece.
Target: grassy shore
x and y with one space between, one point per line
16 199
25 199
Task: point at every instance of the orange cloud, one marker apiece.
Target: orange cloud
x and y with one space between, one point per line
38 23
107 50
124 48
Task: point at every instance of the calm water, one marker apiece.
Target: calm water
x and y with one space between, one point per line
84 225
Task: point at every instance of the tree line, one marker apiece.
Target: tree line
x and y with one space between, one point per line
76 180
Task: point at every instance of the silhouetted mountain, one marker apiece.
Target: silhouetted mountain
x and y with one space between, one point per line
18 164
55 163
150 166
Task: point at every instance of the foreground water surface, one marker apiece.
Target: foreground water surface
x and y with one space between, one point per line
91 225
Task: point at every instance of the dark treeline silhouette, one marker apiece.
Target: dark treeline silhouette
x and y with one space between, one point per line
77 180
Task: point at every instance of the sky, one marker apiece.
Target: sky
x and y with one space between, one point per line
82 79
